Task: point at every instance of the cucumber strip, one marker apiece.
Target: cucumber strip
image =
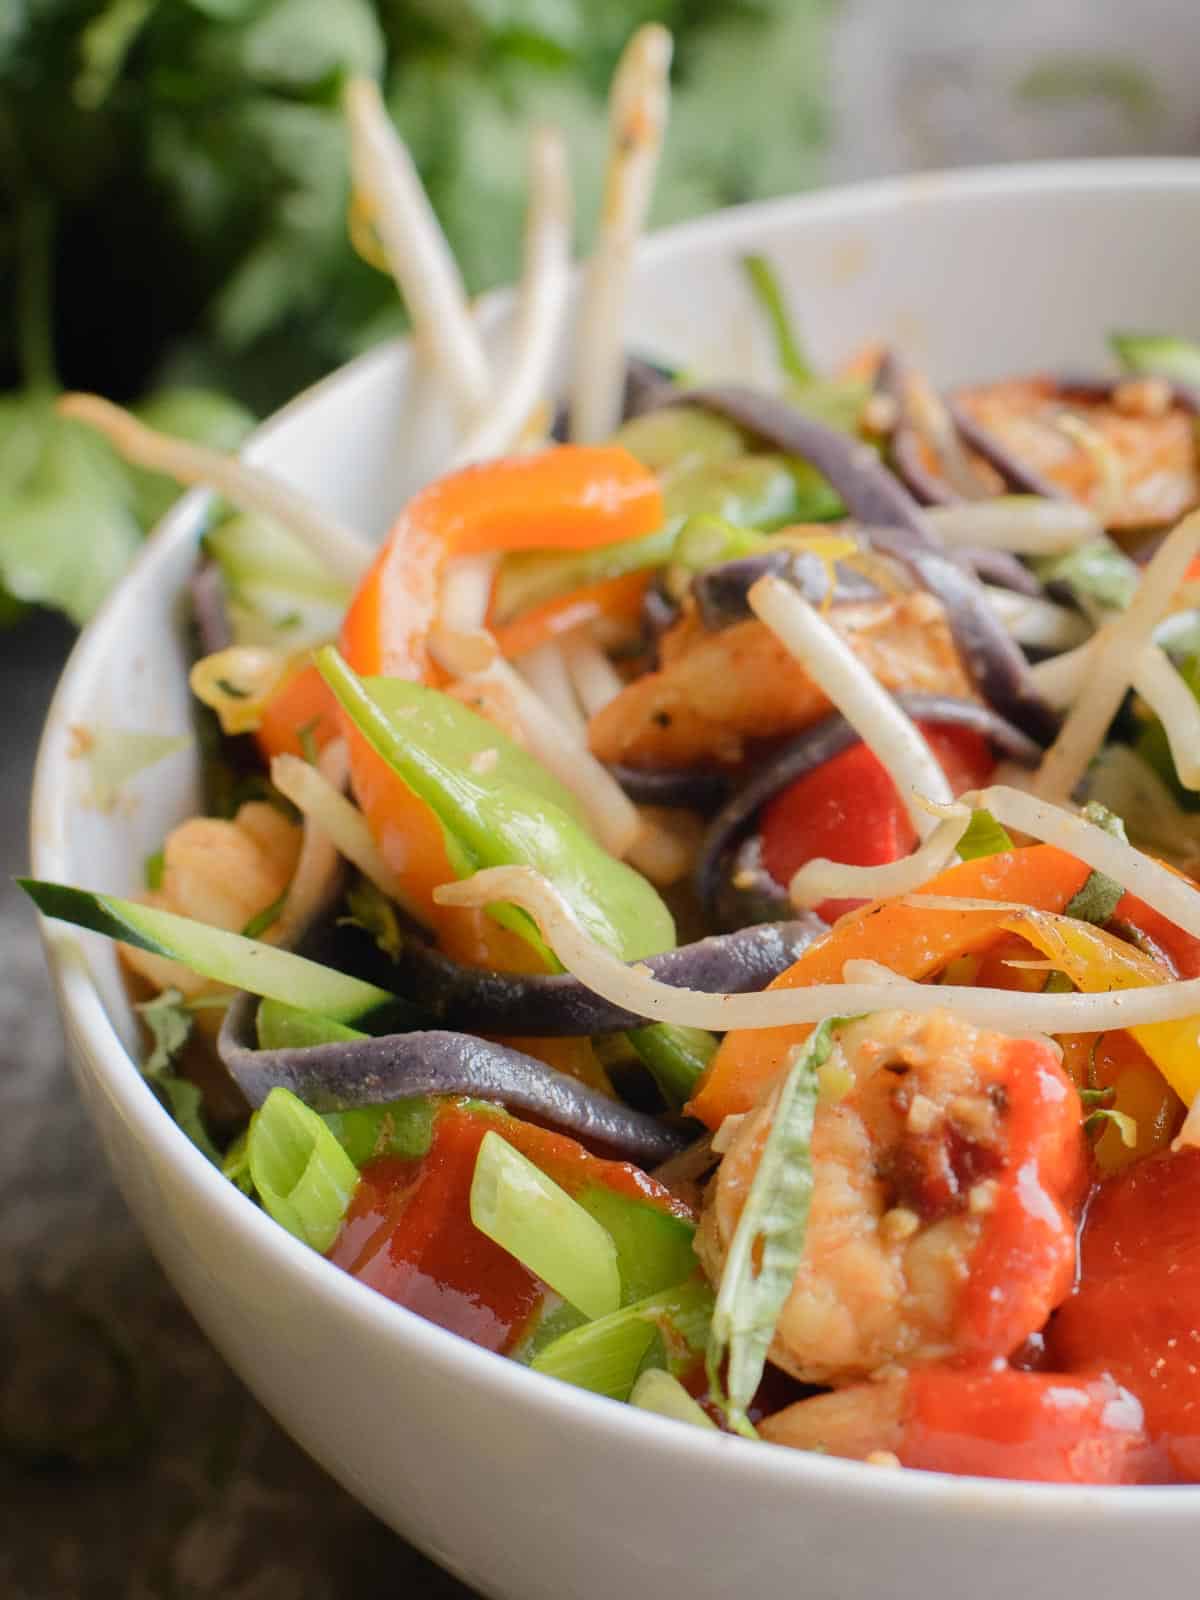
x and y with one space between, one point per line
213 953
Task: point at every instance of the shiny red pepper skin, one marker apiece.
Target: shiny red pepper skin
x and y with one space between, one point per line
1136 1310
1030 1425
850 810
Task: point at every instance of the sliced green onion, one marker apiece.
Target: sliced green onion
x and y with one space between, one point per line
673 439
303 1176
708 540
675 1056
1100 575
659 1392
402 1128
1158 355
768 1242
984 837
236 1164
230 958
518 1207
766 290
605 1356
284 1027
654 1246
1098 1122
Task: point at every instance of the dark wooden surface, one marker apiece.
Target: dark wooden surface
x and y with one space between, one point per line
192 1491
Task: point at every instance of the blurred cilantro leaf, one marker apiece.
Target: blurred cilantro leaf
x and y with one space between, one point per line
192 158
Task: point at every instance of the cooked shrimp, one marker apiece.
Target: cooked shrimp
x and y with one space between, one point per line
716 691
1149 441
222 873
945 1180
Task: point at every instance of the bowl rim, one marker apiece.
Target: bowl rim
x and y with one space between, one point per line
672 1447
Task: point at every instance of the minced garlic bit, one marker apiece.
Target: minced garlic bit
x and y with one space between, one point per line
899 1224
882 1458
982 1197
923 1114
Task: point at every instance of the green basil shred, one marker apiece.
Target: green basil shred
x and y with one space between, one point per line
771 1231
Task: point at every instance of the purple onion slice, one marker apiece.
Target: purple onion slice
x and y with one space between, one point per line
721 592
1016 473
366 1072
869 491
690 788
994 661
927 487
557 1005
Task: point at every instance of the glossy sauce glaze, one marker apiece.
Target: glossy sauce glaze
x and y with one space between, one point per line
409 1233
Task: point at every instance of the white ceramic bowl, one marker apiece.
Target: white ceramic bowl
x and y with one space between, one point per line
524 1487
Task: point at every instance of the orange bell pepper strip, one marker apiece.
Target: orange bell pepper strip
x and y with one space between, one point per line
302 704
915 941
569 497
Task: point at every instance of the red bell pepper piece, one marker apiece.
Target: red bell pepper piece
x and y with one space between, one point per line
850 810
1136 1310
1031 1425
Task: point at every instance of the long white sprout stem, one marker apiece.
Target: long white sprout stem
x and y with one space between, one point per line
1060 678
821 879
1177 898
541 305
633 988
415 246
324 806
638 105
595 680
458 640
315 877
1111 669
344 552
1036 623
1026 524
830 662
545 671
1167 694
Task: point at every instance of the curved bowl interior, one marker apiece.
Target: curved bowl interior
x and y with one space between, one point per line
520 1485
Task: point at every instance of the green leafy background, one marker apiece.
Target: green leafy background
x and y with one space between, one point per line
173 179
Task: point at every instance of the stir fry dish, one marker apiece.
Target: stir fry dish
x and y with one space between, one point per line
707 910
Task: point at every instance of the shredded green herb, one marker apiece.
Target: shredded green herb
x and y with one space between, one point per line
1100 1120
308 743
768 1242
767 291
170 1025
1100 895
984 837
264 919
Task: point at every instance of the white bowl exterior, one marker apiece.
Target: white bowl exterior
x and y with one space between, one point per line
523 1487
